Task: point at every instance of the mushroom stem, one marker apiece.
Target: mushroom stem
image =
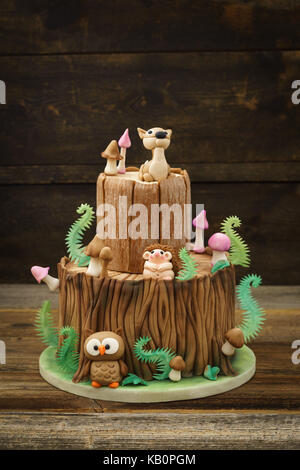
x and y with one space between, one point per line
111 167
175 375
121 165
199 242
218 256
95 267
52 282
228 349
105 258
104 270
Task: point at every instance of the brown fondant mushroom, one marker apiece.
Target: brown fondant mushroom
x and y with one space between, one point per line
112 154
177 365
234 339
105 257
93 250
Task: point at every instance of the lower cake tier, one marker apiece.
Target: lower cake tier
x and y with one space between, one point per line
189 317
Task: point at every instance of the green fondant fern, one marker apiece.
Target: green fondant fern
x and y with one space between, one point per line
44 325
75 234
67 357
189 266
161 357
239 252
253 315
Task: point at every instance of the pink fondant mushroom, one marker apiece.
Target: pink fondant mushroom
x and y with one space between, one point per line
41 274
220 244
124 143
201 224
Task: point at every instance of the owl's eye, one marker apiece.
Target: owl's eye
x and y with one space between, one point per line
111 345
92 347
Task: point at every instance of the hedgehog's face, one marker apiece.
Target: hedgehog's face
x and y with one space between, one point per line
157 256
155 137
104 346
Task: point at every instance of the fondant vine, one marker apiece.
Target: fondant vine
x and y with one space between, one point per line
75 234
253 315
239 252
161 357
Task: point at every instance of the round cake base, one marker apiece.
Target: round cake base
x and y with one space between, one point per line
157 391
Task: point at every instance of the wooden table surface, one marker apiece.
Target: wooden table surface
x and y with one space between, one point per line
262 414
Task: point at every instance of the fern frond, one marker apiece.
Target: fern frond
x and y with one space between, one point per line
161 357
253 315
67 357
189 266
239 252
75 234
44 325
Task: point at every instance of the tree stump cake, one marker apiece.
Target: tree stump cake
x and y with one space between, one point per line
142 305
176 189
190 317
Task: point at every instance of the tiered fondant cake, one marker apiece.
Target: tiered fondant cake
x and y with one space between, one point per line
141 306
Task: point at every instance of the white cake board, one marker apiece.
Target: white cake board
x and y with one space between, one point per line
157 391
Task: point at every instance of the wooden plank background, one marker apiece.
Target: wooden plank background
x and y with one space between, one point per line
218 72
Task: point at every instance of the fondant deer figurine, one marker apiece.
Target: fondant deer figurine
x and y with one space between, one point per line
157 140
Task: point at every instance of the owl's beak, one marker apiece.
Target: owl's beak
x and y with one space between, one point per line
102 349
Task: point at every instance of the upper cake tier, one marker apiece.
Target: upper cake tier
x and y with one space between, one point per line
132 214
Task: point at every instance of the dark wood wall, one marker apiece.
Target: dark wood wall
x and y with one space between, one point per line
79 72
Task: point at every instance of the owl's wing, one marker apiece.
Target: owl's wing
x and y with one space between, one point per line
123 368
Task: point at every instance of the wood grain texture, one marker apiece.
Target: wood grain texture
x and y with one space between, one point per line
191 318
274 387
262 414
25 296
227 431
281 172
120 223
95 26
34 225
223 108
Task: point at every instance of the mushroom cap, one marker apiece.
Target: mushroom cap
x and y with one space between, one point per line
94 247
112 151
219 242
201 221
106 253
39 273
177 363
124 140
235 337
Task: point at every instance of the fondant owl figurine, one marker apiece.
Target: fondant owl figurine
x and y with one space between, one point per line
105 349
